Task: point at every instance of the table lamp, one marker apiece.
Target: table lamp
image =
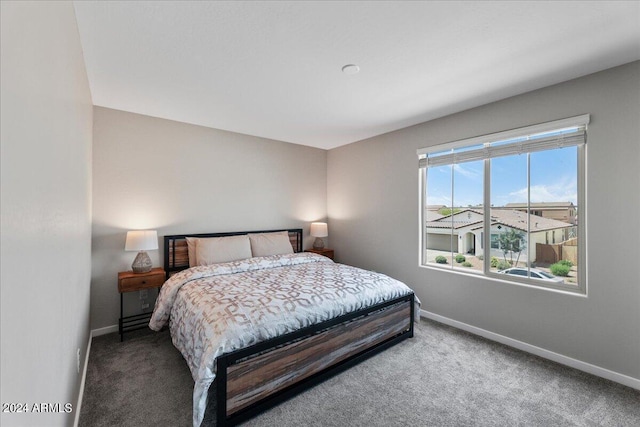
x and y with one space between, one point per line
318 230
142 241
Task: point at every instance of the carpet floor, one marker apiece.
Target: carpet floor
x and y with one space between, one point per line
441 377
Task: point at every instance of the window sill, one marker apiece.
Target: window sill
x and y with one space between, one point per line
493 277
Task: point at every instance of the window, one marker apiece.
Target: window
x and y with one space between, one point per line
500 186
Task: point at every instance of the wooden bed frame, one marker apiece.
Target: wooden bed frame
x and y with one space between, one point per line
253 379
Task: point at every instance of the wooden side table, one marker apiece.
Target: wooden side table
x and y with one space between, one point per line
325 252
128 281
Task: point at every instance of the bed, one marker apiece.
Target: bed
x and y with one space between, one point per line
259 329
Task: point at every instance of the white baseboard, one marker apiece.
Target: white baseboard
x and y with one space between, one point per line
104 331
82 382
538 351
93 333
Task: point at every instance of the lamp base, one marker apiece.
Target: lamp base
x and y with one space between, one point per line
318 244
142 263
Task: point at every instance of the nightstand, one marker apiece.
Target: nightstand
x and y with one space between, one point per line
128 281
326 252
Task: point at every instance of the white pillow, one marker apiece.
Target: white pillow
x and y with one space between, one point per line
212 250
265 244
191 250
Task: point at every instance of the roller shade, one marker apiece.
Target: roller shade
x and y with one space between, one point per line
572 133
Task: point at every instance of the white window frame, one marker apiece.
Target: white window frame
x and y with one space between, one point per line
572 122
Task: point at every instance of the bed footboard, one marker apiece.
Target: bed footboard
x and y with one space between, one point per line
258 377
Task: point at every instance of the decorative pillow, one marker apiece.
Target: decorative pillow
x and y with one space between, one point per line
265 244
191 250
212 250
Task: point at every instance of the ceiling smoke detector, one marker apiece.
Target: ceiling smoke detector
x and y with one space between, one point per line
351 69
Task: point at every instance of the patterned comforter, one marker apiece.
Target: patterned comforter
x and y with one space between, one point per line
224 307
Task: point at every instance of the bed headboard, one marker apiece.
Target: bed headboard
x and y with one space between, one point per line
176 256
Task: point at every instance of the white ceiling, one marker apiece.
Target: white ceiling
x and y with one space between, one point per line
273 69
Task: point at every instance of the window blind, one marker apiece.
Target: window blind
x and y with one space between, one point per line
520 141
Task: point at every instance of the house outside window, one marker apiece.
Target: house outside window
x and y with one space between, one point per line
521 189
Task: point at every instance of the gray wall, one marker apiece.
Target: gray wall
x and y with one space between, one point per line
46 117
373 217
151 173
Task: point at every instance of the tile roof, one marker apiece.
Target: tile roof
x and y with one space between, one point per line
432 216
555 205
518 219
509 217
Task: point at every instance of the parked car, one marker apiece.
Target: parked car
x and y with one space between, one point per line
535 273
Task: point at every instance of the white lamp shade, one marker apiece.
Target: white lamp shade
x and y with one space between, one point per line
319 229
141 240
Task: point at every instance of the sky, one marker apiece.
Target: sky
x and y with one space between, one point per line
554 178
